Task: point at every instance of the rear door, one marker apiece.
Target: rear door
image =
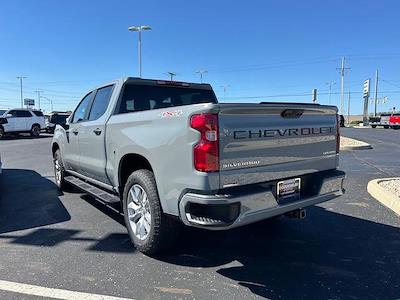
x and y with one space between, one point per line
91 137
263 142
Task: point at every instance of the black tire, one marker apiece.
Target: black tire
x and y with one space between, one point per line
35 130
373 126
60 182
1 132
396 127
163 229
386 127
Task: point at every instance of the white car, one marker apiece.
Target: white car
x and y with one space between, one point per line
21 120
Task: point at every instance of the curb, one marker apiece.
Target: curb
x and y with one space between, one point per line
361 147
388 199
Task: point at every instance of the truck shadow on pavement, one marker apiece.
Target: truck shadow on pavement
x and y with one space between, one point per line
327 256
28 200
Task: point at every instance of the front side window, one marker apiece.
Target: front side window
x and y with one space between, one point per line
146 97
13 113
100 102
80 113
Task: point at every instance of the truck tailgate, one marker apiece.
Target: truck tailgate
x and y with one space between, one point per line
263 142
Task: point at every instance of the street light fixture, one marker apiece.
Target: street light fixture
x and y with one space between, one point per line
201 72
139 29
171 75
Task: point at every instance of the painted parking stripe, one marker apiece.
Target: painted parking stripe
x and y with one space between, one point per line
35 290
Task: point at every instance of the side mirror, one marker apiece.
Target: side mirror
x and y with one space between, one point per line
65 126
9 115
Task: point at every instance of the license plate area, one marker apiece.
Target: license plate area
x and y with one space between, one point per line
288 190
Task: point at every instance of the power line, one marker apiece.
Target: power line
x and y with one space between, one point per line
305 94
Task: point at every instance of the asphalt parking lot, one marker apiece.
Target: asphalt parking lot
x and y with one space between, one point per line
347 248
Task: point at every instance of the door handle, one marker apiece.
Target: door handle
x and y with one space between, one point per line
75 131
97 131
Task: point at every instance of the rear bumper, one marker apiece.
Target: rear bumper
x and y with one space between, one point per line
237 207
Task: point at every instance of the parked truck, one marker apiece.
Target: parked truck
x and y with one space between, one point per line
170 154
381 120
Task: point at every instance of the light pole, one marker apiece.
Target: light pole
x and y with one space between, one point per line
139 29
22 96
201 72
225 87
38 95
171 75
330 84
51 102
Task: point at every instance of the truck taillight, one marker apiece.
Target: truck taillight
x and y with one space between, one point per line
337 133
206 152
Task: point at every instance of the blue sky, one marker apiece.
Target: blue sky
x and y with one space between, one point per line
264 50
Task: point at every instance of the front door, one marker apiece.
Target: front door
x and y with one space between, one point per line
71 147
11 121
92 146
17 120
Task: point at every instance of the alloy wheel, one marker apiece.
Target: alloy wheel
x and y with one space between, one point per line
139 213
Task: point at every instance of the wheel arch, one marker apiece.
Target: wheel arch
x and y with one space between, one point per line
128 164
54 148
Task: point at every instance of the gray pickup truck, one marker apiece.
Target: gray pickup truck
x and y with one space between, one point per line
170 154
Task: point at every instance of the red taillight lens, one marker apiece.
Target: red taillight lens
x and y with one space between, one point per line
337 133
205 152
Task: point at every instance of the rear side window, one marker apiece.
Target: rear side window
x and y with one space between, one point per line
23 114
58 119
146 97
38 113
100 102
82 109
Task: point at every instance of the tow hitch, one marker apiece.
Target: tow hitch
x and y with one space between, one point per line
296 214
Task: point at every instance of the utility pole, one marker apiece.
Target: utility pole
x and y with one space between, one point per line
330 84
38 96
171 75
201 72
376 92
342 73
348 110
22 96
